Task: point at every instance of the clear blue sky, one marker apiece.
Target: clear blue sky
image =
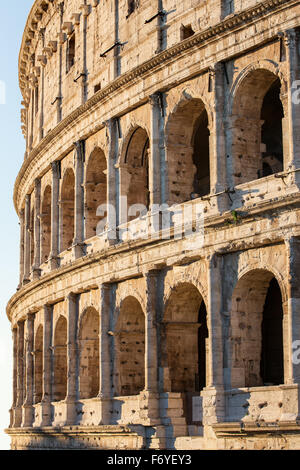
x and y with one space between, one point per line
12 22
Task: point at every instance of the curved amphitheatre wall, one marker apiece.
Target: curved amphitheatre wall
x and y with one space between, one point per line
138 87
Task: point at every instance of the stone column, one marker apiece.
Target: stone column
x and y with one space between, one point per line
27 263
36 272
22 234
78 242
72 384
54 258
291 102
157 161
217 145
47 368
213 394
28 411
150 397
292 369
42 88
105 380
15 380
113 190
20 375
82 81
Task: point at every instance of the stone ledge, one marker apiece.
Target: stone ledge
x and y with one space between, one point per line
231 429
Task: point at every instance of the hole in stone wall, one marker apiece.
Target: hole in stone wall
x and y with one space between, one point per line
186 32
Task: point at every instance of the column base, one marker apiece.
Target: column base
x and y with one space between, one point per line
70 412
42 415
105 410
27 416
17 417
79 250
213 405
36 274
149 408
54 262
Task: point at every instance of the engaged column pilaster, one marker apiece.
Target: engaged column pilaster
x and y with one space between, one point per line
28 411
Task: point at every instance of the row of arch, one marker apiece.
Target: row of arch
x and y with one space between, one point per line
254 346
256 146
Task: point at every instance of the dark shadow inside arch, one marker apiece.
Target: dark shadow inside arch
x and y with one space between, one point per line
271 133
188 152
256 339
271 367
184 346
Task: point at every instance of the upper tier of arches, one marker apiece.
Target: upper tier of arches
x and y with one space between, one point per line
68 53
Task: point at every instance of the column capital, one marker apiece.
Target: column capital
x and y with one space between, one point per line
37 183
71 297
154 99
55 167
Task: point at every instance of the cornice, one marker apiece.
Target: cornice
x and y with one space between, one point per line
228 25
213 223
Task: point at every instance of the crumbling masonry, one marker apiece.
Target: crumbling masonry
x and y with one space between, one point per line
158 342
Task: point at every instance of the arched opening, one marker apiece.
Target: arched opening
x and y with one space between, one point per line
188 152
60 364
257 114
257 331
38 365
46 225
271 132
89 355
184 344
272 370
96 190
129 376
134 180
67 210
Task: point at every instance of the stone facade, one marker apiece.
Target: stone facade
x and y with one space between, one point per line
124 337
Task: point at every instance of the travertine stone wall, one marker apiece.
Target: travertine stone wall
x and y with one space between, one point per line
129 332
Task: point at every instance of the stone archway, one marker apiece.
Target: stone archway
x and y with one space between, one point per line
88 340
256 342
188 152
134 174
96 190
60 364
256 126
129 370
184 344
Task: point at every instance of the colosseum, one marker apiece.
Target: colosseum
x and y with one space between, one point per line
159 210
